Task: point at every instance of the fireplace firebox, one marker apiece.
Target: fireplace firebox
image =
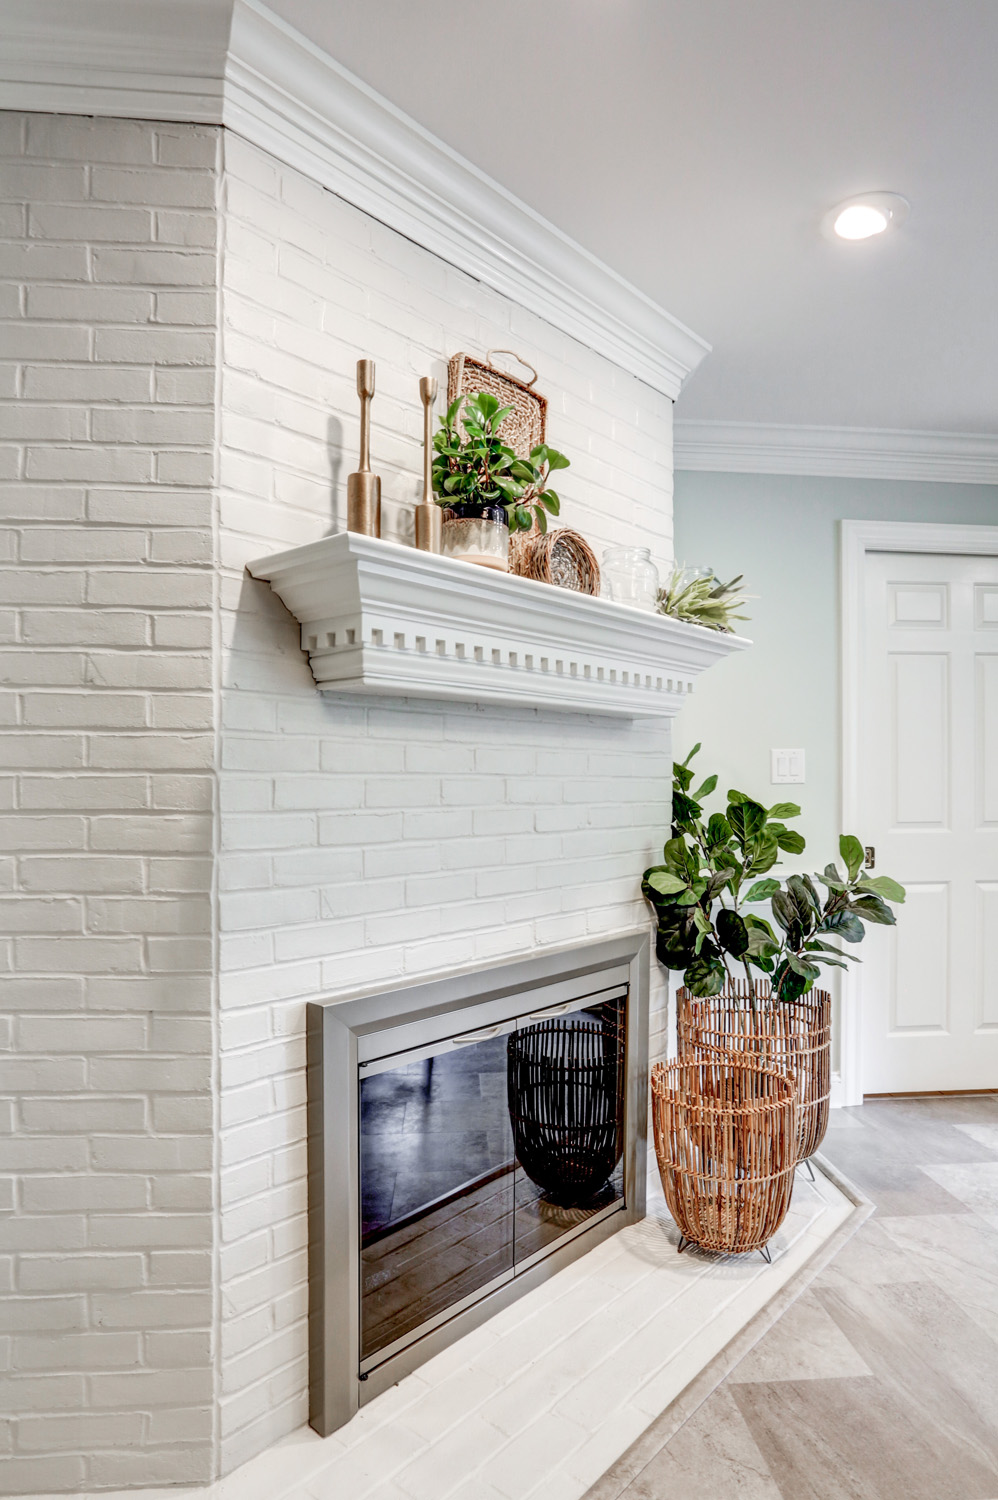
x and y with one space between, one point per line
468 1137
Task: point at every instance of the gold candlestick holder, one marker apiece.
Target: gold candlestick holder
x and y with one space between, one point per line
364 488
429 519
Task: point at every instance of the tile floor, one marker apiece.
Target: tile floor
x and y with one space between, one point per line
881 1381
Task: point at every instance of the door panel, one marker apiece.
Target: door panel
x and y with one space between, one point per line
987 735
920 693
987 967
928 802
920 971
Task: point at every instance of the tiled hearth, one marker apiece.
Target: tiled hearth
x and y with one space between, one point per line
540 1401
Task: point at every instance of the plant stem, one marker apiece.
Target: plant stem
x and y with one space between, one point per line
751 985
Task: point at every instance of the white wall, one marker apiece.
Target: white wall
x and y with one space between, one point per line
107 348
366 840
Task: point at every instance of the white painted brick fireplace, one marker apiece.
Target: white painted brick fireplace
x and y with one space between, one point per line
196 842
364 840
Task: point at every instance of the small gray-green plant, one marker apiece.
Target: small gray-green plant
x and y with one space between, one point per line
702 601
710 873
479 467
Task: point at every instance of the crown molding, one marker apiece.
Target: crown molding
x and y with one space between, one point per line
161 60
836 452
234 63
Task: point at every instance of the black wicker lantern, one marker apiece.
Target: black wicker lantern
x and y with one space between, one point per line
565 1081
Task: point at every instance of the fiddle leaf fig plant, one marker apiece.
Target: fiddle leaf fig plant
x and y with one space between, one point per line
715 869
478 466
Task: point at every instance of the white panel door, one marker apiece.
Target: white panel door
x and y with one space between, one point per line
928 803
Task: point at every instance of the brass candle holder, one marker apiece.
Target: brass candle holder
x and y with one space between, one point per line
429 518
364 488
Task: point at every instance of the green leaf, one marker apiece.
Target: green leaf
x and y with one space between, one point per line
694 751
747 819
550 499
663 882
845 925
676 857
718 831
783 910
801 898
705 975
883 885
705 789
732 933
789 985
872 909
735 799
717 882
542 520
676 938
684 809
790 841
762 890
763 852
682 777
851 851
785 810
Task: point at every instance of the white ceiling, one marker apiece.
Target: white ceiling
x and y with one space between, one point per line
694 146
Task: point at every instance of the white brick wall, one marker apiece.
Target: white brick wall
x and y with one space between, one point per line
358 841
108 294
365 840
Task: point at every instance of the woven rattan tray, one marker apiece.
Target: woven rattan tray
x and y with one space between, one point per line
526 424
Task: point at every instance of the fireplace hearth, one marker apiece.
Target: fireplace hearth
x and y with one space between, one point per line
468 1137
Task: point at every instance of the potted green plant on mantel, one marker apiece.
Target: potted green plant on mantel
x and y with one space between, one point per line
714 871
486 490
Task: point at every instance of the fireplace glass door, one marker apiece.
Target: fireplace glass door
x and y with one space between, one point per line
478 1155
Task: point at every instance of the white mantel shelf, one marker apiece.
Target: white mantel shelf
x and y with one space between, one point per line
377 617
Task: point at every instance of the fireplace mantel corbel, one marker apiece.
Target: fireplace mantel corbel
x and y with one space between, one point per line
378 617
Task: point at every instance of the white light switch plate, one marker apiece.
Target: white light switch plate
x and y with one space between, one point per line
787 765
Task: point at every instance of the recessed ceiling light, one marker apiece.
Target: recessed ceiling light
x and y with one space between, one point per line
865 215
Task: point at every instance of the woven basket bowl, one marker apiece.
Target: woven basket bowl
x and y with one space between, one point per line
565 1091
792 1036
726 1143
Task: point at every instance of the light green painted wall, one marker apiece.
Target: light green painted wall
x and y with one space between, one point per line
782 533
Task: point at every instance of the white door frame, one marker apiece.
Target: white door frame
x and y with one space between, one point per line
857 539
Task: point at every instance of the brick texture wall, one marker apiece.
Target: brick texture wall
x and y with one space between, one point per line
366 840
154 1282
108 296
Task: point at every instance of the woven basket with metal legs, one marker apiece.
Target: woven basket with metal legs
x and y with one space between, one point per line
726 1142
791 1036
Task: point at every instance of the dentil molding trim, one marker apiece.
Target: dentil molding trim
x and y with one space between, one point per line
837 452
235 63
377 617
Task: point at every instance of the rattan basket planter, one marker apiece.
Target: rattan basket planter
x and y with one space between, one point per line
565 1091
792 1036
726 1143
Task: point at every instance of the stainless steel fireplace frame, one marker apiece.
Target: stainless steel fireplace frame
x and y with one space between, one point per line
342 1036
